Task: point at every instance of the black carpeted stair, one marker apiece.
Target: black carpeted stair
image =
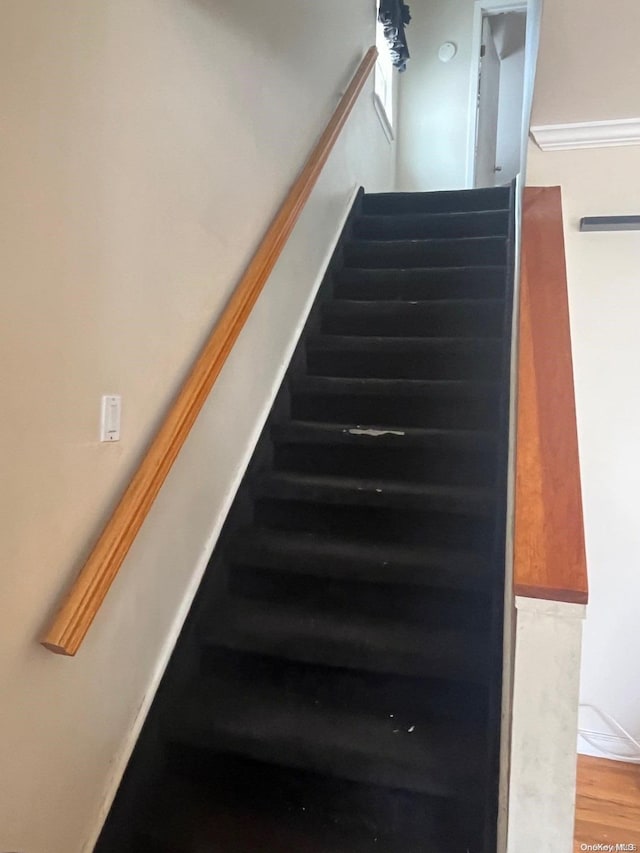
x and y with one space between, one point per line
373 560
336 688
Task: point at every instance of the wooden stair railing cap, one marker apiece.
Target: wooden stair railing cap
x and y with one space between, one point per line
549 556
79 609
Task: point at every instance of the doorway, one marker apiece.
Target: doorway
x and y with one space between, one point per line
499 40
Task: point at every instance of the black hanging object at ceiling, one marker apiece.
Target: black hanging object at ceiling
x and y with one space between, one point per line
394 15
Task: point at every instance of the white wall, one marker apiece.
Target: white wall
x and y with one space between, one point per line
434 97
604 302
146 143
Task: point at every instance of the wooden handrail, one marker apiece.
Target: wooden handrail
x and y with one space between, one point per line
71 623
549 551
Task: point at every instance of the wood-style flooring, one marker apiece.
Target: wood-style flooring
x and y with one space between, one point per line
607 803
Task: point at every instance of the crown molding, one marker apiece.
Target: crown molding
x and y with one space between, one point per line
588 134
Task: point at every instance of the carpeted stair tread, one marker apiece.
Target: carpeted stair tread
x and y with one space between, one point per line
368 560
494 198
186 817
455 282
385 254
396 403
360 491
354 641
361 691
289 730
357 435
393 387
477 223
447 388
438 318
403 357
407 344
384 306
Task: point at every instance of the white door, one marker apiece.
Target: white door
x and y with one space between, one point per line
509 34
488 102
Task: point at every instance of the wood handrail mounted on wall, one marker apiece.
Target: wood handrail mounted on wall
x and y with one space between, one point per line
549 551
71 623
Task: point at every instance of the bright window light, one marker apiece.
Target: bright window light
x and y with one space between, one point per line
384 73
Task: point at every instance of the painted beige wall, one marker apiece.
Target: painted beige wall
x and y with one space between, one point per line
146 144
589 63
604 302
434 97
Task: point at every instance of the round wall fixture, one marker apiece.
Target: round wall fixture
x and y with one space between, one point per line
447 51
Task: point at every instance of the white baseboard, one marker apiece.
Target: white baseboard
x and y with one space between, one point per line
589 134
121 760
605 745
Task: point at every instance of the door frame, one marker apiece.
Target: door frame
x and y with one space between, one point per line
480 9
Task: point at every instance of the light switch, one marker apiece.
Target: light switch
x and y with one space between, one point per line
110 418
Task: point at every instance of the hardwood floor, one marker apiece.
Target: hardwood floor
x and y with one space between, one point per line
607 803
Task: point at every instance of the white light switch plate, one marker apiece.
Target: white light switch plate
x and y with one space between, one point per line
110 417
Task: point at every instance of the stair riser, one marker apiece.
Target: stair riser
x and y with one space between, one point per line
478 363
462 283
355 768
313 557
145 843
420 604
437 202
409 818
408 526
339 491
465 662
438 466
407 254
365 410
481 320
337 759
418 227
420 699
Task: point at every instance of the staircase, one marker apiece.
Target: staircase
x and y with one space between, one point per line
336 688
